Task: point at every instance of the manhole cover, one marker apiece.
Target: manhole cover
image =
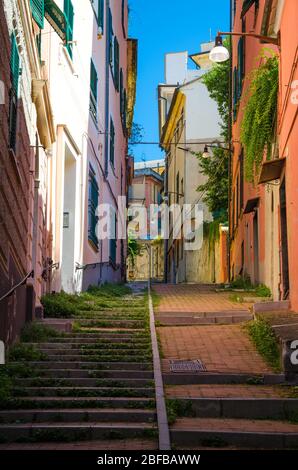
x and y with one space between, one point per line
187 366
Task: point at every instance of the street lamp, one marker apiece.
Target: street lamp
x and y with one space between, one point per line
221 54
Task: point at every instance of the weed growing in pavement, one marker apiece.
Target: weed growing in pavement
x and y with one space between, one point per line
265 341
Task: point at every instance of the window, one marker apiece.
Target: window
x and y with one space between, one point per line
98 7
241 180
116 63
93 91
241 67
112 142
13 95
111 39
37 8
123 18
122 101
113 240
92 208
177 187
69 14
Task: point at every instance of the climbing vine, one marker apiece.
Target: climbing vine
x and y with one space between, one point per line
258 124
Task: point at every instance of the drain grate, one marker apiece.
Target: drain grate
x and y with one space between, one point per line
187 366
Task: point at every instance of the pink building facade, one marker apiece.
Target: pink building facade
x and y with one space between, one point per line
264 213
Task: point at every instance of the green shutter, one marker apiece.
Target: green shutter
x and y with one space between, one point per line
93 80
56 18
37 7
14 64
92 207
69 14
111 34
235 92
113 243
240 67
116 63
100 15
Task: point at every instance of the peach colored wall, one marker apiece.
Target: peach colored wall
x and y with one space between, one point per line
288 132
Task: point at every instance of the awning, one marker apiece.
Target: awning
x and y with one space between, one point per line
56 18
251 205
271 170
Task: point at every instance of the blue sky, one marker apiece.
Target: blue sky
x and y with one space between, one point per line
163 26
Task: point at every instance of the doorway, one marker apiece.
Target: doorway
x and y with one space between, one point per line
69 205
256 246
284 241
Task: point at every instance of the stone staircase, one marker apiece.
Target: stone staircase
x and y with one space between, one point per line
235 415
93 384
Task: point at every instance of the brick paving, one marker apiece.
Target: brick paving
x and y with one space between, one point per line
226 391
222 348
194 298
224 424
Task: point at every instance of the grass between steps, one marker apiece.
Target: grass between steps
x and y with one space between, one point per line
265 341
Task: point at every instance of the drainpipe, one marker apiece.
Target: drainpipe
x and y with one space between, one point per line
166 241
107 103
230 143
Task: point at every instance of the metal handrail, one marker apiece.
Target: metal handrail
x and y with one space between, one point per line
11 291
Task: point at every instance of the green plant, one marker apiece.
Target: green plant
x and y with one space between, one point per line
260 113
26 352
242 282
35 332
135 249
178 408
5 385
263 291
265 341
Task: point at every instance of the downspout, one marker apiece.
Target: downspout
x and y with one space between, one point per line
107 93
230 142
166 241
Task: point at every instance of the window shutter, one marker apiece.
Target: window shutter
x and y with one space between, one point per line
112 142
240 66
93 80
92 207
14 64
111 34
100 15
69 14
116 63
113 242
235 95
37 8
121 95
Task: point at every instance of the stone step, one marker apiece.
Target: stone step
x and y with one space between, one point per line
81 402
110 323
83 392
99 339
212 432
242 408
77 415
92 347
112 374
222 378
89 365
97 357
195 320
82 382
75 432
